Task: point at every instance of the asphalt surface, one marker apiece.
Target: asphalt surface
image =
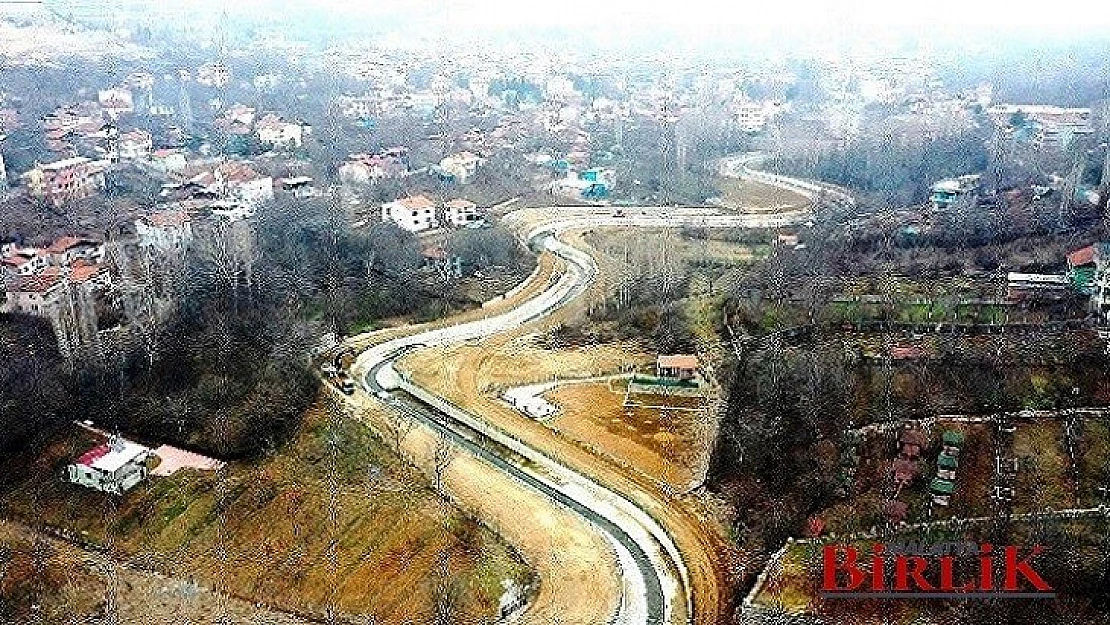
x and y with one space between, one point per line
501 455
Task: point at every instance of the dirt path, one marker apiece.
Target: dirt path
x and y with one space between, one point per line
467 375
576 568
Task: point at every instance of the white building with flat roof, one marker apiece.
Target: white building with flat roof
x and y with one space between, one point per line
415 214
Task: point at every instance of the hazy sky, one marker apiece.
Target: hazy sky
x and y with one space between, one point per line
1017 13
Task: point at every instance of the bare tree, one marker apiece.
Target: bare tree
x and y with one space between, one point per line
442 457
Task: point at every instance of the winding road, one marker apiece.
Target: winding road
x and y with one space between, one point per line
656 585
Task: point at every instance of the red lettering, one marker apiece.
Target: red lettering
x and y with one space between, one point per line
910 567
855 576
1015 566
986 567
878 581
946 575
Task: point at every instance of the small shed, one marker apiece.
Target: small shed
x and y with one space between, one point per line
680 366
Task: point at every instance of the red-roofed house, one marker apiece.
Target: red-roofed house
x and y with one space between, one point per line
415 214
240 182
165 230
35 295
65 250
113 467
82 272
681 366
135 145
63 181
168 160
22 262
272 130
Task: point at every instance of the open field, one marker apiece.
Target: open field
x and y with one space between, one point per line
72 585
333 522
577 574
749 195
657 442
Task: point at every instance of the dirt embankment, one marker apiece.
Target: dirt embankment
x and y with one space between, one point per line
470 376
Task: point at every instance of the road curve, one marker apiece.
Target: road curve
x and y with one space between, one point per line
655 580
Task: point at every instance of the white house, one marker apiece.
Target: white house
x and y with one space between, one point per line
168 160
461 213
240 182
36 295
63 251
113 467
231 211
414 214
272 130
461 167
22 262
116 102
165 231
135 145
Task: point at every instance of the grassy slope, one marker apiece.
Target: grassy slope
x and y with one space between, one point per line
320 524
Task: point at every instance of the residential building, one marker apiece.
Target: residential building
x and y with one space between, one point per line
231 211
461 213
750 116
1099 285
272 130
135 145
1082 267
592 184
213 75
22 262
1026 286
165 231
414 214
679 366
240 182
299 186
36 294
116 102
362 107
947 192
64 181
460 167
239 114
367 168
166 160
64 251
113 467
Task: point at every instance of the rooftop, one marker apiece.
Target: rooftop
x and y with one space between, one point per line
110 457
65 163
166 218
416 202
678 361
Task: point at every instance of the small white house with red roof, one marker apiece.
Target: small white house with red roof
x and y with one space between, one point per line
112 467
415 214
165 230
